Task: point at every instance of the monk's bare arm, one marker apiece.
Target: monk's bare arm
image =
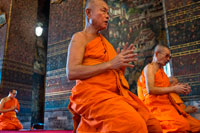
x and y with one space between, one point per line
149 72
76 70
4 110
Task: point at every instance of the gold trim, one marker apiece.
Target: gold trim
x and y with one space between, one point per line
59 41
194 51
17 62
8 29
57 76
180 12
184 20
57 99
58 93
63 46
22 86
56 71
57 53
185 45
183 6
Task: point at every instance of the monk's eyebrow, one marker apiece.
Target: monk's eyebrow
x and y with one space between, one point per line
104 8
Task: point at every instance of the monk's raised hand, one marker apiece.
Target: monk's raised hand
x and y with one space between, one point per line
125 47
124 58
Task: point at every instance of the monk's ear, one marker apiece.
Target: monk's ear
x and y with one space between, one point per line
156 54
88 12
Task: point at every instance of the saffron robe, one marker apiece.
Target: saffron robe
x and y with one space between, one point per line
194 123
8 120
162 107
103 103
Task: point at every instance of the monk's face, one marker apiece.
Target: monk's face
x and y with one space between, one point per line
13 94
99 15
164 56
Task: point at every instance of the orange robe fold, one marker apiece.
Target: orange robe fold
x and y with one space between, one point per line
161 106
8 120
102 103
194 123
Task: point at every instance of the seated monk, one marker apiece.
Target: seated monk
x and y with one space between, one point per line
100 100
194 123
156 87
8 108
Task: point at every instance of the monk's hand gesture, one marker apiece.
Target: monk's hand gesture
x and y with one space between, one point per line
124 57
182 89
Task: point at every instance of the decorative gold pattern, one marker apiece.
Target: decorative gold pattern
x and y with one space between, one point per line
185 45
194 51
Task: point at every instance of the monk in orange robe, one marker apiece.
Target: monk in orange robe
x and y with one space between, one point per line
8 108
100 100
156 88
194 123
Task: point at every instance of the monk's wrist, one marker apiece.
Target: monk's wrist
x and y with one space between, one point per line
108 65
173 89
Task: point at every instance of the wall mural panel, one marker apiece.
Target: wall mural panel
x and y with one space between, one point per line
4 8
18 54
183 21
64 22
138 22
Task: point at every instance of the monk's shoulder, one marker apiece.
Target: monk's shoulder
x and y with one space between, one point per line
3 100
151 67
79 37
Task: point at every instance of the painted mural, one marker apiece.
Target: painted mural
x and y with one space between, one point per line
183 23
139 22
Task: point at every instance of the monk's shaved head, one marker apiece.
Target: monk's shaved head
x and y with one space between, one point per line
159 48
13 90
91 3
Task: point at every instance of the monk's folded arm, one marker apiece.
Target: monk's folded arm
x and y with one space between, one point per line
149 73
4 110
80 72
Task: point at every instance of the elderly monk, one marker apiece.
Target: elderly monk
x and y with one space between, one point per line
156 88
194 123
8 108
100 100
